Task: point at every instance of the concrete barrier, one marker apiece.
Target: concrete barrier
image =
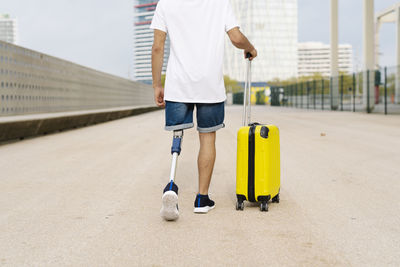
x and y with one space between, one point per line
32 82
42 94
20 127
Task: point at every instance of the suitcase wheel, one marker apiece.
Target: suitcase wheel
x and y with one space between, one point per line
239 205
276 199
264 206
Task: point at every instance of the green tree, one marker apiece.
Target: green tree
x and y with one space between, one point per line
317 81
163 80
278 82
231 86
391 84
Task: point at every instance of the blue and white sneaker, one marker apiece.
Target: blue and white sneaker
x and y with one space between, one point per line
169 210
203 204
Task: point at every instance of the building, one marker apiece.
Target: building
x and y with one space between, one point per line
8 29
143 40
315 57
272 27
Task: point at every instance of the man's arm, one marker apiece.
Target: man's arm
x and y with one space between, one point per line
240 41
157 60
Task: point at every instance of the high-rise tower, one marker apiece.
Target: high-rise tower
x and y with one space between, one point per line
143 39
271 25
8 29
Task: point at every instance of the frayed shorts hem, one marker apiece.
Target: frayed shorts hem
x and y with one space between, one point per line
210 129
179 127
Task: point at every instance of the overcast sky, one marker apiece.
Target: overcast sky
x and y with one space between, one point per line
99 33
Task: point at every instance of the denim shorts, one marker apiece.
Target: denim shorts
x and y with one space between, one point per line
179 116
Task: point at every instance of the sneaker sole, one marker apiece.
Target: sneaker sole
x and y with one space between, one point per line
169 210
203 209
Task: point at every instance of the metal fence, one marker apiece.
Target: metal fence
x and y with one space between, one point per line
379 95
32 82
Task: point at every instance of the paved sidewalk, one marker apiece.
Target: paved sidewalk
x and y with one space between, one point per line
91 197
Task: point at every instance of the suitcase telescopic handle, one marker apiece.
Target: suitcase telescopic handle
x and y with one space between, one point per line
247 94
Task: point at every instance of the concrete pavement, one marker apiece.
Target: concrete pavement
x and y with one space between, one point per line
91 196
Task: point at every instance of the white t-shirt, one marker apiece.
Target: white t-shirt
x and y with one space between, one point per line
196 30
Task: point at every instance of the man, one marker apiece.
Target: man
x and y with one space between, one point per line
194 78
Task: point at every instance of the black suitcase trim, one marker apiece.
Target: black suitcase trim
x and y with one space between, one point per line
251 171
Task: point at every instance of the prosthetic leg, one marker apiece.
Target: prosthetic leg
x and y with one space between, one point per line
169 210
175 151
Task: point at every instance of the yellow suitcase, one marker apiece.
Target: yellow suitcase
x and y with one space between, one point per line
258 165
258 159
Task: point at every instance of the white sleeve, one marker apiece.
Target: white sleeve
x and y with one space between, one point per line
230 19
158 22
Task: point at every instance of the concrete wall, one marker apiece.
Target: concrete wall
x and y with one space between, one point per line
32 82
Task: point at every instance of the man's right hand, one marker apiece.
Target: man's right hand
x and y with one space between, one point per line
159 96
240 41
253 53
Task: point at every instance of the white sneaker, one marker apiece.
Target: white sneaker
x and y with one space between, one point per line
169 210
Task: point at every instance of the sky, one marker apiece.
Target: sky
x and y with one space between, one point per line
314 24
99 33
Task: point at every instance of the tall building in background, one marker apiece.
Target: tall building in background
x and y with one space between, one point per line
143 39
8 29
315 57
272 27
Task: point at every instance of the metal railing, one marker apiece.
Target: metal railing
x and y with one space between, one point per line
379 95
32 82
